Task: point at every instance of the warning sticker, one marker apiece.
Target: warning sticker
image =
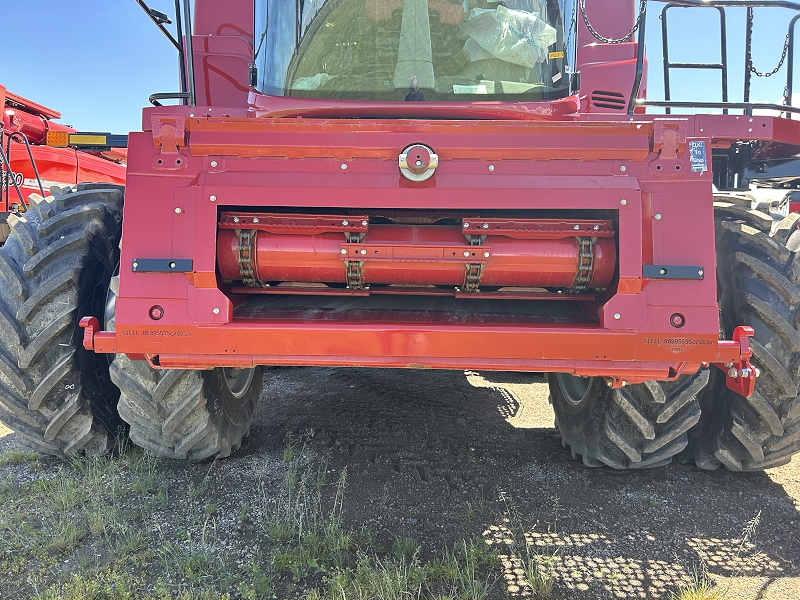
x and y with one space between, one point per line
697 155
554 55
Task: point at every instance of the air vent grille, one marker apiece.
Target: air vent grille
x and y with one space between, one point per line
612 100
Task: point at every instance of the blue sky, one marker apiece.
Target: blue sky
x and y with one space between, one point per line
97 61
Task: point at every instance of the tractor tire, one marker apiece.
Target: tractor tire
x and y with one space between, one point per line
758 283
191 414
55 267
635 427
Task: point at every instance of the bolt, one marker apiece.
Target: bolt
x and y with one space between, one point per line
343 251
345 223
235 219
658 216
576 227
215 311
178 211
135 265
486 255
617 316
466 225
486 226
758 372
364 223
255 219
700 272
733 373
623 168
213 163
624 383
213 198
191 114
750 130
491 168
596 228
466 254
344 167
623 202
663 271
363 251
610 381
418 163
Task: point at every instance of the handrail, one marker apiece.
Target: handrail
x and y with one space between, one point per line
634 100
6 164
19 134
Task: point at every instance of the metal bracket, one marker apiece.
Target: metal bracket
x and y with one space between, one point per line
672 272
741 376
162 265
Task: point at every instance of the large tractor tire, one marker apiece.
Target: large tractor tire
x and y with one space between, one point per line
55 267
633 427
184 413
758 282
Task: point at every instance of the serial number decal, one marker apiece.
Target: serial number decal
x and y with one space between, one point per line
687 342
677 342
156 333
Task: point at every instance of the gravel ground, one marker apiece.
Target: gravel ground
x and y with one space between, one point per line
445 456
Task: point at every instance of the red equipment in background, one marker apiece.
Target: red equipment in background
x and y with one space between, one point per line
25 128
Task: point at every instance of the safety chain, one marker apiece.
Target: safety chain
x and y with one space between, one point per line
776 69
605 40
246 243
473 271
585 264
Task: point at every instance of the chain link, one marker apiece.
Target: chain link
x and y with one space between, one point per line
605 40
776 69
246 239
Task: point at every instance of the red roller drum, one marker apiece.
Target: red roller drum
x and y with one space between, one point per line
417 256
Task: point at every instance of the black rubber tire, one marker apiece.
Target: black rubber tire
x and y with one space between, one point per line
183 413
55 267
758 282
634 427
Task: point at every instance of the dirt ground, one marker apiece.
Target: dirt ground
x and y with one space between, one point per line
442 456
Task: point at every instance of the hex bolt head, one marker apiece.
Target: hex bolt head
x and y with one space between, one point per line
178 211
235 219
733 373
596 227
491 168
135 265
343 251
466 254
576 227
758 371
213 198
486 226
344 167
255 219
623 202
658 216
215 311
363 251
623 168
466 225
213 163
486 255
364 223
617 316
700 272
345 223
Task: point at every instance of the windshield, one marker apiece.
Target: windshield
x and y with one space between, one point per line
415 50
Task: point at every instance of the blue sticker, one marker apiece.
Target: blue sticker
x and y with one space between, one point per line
697 156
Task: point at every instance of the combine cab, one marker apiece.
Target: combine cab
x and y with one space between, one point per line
420 184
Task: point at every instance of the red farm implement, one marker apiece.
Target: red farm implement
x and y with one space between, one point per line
424 184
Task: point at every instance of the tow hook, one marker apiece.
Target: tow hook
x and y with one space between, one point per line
741 376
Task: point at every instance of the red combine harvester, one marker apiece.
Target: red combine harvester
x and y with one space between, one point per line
28 164
421 184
